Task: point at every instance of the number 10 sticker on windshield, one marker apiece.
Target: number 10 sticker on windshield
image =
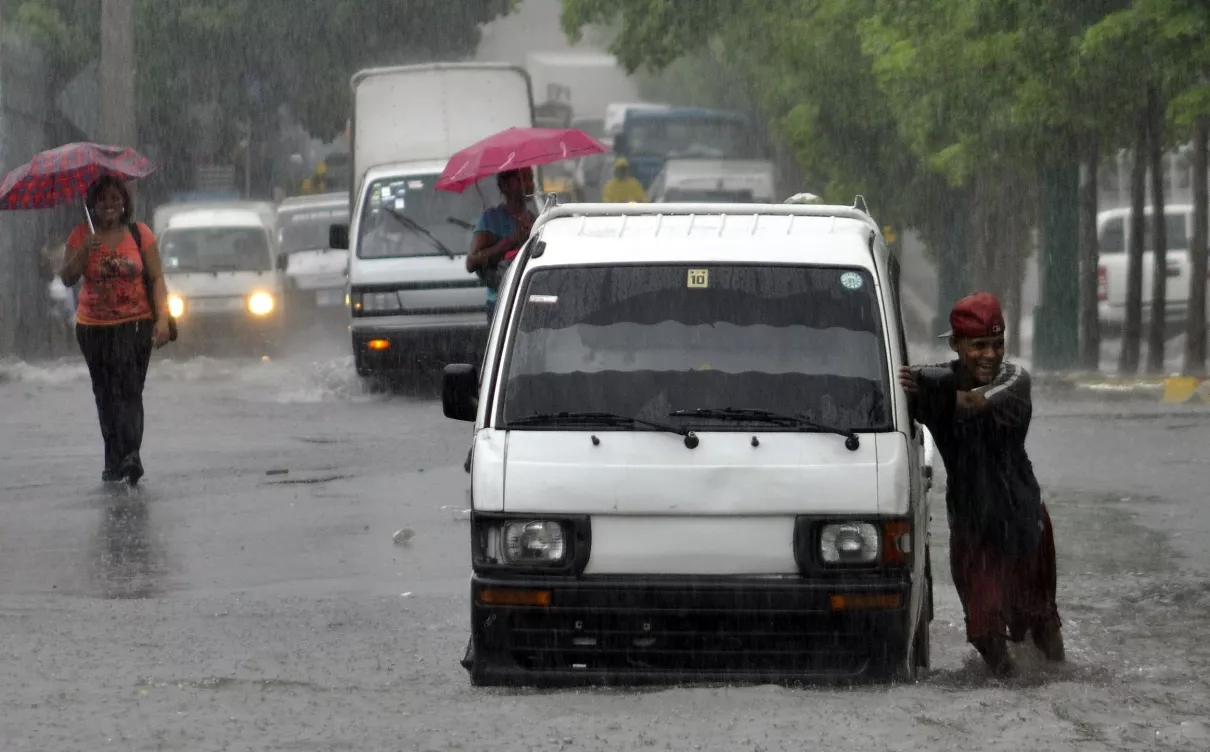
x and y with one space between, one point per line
699 278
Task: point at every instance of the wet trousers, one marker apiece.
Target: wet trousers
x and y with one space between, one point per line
117 357
1006 594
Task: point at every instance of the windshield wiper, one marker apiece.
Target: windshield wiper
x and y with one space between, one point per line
801 422
601 419
416 227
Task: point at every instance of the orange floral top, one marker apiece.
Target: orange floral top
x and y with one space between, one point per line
113 291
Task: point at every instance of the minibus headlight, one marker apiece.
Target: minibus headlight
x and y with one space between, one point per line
533 542
260 304
849 543
540 544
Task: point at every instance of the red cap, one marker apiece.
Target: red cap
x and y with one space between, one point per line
977 315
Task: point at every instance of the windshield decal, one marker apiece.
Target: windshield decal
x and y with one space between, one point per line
699 278
851 280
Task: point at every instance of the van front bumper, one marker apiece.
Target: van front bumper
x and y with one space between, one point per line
396 343
628 630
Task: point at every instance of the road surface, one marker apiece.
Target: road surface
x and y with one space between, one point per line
250 596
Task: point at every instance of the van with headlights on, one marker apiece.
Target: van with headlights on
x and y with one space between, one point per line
222 278
692 460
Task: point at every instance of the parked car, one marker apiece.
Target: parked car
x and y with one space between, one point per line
1113 230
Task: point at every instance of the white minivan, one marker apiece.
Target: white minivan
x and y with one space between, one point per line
691 458
220 267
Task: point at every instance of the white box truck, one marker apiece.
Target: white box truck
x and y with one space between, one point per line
411 300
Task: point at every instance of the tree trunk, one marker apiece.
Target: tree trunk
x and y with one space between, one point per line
1159 280
1090 330
1132 329
1195 336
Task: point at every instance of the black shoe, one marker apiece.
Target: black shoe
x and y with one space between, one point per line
132 472
994 650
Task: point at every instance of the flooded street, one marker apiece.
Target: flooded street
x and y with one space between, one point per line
250 596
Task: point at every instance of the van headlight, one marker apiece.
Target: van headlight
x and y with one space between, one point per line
534 542
176 306
849 543
260 304
508 543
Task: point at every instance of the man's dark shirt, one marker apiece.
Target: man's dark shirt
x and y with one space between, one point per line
992 495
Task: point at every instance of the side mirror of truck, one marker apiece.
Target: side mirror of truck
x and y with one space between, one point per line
620 145
338 237
460 392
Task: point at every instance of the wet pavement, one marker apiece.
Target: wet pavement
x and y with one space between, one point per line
249 595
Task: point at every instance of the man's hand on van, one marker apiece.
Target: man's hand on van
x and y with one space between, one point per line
907 379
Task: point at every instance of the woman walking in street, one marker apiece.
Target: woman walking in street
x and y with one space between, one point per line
116 321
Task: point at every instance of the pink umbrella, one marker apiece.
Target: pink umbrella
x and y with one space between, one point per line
514 149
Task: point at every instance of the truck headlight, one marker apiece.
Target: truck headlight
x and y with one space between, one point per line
533 542
260 304
176 306
849 543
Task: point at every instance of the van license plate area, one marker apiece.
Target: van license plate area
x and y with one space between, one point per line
215 305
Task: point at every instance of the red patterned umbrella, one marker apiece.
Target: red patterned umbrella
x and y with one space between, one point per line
514 149
59 175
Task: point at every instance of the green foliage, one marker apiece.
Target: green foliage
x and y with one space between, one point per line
908 100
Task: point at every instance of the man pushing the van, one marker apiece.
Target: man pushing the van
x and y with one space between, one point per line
1002 550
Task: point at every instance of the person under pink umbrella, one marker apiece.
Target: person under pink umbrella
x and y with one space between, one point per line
501 231
116 321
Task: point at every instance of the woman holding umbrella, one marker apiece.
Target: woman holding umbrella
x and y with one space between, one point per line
501 231
116 322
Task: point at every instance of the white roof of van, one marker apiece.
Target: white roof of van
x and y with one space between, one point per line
215 218
323 200
710 233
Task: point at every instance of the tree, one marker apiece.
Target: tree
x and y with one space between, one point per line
248 58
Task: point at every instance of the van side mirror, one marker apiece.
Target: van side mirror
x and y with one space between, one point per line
621 145
338 237
283 262
460 392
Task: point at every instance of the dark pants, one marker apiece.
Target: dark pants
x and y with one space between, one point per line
117 358
1002 593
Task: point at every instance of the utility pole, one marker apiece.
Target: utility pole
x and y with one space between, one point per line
117 73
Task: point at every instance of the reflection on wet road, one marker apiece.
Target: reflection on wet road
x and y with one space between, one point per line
250 596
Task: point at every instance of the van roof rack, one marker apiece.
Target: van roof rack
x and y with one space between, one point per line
552 209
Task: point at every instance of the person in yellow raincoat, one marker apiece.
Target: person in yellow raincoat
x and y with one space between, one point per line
623 188
317 182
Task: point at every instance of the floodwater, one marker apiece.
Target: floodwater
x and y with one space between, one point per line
249 595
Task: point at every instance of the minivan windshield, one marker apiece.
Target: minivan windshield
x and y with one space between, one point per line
384 235
307 229
648 341
215 249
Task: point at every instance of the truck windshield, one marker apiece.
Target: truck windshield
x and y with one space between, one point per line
307 229
383 235
680 138
215 249
647 341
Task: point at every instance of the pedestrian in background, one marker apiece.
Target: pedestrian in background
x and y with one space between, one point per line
1002 549
117 324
